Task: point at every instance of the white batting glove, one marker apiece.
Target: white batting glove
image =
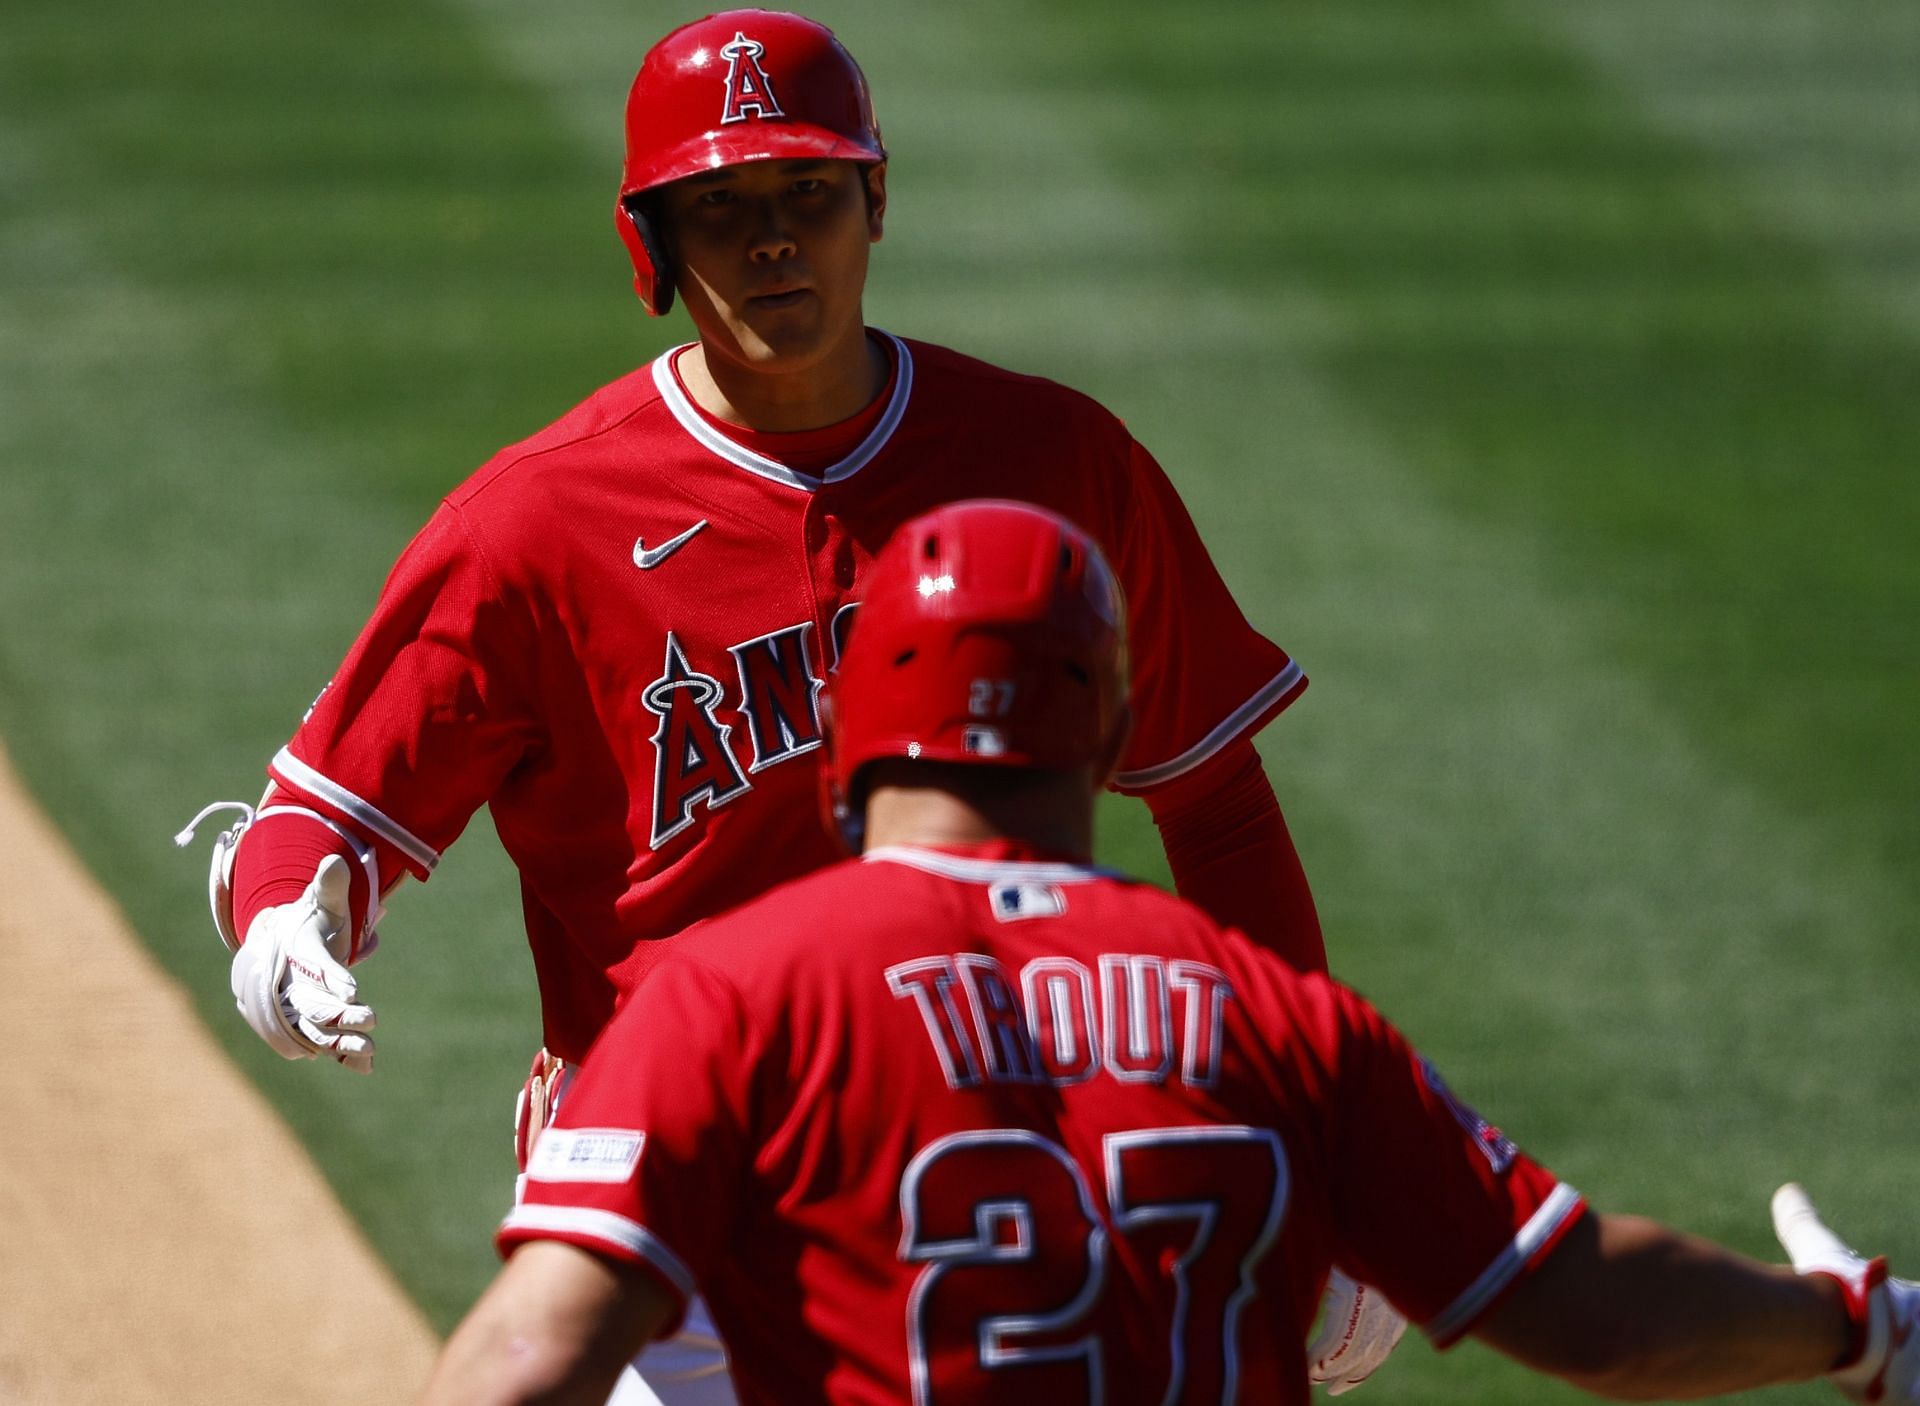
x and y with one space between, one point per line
1885 1311
290 984
1358 1331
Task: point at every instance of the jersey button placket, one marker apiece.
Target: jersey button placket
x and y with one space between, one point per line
834 570
817 544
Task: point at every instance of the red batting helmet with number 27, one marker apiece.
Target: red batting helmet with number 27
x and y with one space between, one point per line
988 633
743 85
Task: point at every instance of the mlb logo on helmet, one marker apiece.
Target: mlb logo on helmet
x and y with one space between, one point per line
984 742
748 87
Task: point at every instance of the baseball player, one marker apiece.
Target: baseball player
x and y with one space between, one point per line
968 1120
615 634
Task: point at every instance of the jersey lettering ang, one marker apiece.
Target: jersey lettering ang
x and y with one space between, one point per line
961 1127
617 632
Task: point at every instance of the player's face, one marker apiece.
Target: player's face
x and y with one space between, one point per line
772 258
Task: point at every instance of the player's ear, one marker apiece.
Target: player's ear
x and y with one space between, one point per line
876 176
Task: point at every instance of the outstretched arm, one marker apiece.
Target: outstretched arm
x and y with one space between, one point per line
1467 1234
427 714
1631 1310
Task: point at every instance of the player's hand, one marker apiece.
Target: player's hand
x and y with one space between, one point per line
289 983
1358 1331
1885 1311
538 1101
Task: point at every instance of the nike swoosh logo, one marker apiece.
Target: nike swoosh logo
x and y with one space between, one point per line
646 559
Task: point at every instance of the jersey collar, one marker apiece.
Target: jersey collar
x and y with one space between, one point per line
740 456
984 871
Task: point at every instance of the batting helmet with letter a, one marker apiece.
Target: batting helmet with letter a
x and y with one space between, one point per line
988 633
742 85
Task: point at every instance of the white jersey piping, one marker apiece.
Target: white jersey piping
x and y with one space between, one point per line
683 409
1526 1243
298 773
985 871
609 1228
1241 718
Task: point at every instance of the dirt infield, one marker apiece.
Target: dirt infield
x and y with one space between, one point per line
163 1237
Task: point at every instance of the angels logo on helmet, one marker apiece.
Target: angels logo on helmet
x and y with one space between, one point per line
749 89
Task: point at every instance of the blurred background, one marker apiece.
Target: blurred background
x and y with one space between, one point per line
1543 376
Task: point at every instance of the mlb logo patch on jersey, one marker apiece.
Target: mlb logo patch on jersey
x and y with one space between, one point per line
586 1154
1015 902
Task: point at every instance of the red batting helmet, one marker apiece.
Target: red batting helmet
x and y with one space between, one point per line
988 632
742 85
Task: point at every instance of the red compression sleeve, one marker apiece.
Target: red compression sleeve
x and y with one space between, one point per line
277 859
1230 853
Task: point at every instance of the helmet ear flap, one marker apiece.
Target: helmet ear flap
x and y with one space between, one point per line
652 263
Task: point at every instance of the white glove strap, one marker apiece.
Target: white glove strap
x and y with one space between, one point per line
1863 1378
227 844
220 870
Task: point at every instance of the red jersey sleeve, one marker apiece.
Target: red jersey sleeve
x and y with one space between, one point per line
431 708
1231 853
645 1160
1431 1204
1202 675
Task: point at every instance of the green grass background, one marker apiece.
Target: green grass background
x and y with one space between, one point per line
1543 374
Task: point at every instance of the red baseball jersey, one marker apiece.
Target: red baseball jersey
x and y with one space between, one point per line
616 633
962 1127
